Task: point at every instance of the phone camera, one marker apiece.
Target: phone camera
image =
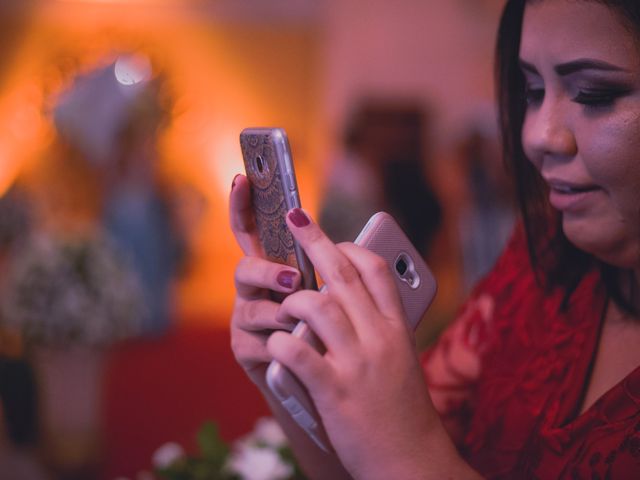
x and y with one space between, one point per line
406 270
260 163
401 266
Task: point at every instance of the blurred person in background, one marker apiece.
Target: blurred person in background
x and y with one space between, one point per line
384 167
113 116
486 207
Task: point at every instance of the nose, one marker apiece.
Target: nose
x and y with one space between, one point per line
547 132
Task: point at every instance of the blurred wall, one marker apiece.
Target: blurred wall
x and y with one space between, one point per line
439 51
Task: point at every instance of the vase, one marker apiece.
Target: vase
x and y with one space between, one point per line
70 390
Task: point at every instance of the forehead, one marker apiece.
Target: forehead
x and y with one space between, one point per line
563 30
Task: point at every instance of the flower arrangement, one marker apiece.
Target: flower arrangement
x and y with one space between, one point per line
263 454
62 292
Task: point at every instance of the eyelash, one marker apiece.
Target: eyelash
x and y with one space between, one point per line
589 98
598 98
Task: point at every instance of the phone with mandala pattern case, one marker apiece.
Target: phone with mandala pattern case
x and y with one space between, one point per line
274 191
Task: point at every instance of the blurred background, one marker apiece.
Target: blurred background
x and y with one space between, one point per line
119 123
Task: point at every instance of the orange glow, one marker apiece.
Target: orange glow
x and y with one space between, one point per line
128 2
224 78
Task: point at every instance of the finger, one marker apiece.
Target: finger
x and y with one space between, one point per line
323 315
253 275
258 316
340 276
250 349
304 361
377 277
241 217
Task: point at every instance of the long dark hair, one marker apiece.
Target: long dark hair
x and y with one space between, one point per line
557 262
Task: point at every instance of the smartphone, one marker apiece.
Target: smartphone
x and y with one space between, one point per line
417 287
274 191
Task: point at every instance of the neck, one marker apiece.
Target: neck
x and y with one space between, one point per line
628 286
631 289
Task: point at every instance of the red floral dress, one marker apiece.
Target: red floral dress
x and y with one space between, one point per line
508 378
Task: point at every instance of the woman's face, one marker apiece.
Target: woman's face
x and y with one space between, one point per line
582 126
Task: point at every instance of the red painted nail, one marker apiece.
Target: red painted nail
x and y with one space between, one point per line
298 218
285 278
233 184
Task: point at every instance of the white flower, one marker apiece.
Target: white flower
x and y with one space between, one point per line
268 432
64 291
168 453
256 463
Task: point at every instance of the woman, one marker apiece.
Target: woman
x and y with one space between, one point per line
539 376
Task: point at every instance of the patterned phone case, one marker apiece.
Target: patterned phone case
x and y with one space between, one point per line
268 194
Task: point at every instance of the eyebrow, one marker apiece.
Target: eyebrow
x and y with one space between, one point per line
574 66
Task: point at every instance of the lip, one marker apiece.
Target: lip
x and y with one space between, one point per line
569 196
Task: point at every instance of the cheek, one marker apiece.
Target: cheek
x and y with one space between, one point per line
611 152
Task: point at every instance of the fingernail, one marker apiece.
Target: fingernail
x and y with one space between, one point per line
288 321
233 184
298 218
286 278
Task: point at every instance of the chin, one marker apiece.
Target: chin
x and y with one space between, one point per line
613 246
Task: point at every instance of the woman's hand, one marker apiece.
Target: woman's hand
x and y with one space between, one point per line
254 314
254 319
368 387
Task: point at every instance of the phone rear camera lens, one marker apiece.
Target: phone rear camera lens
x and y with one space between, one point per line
401 266
260 163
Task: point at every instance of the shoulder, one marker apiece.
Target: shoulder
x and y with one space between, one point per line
499 297
454 364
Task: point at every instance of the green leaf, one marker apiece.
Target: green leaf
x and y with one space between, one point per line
212 447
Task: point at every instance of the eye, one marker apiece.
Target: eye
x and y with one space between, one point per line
598 97
533 95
